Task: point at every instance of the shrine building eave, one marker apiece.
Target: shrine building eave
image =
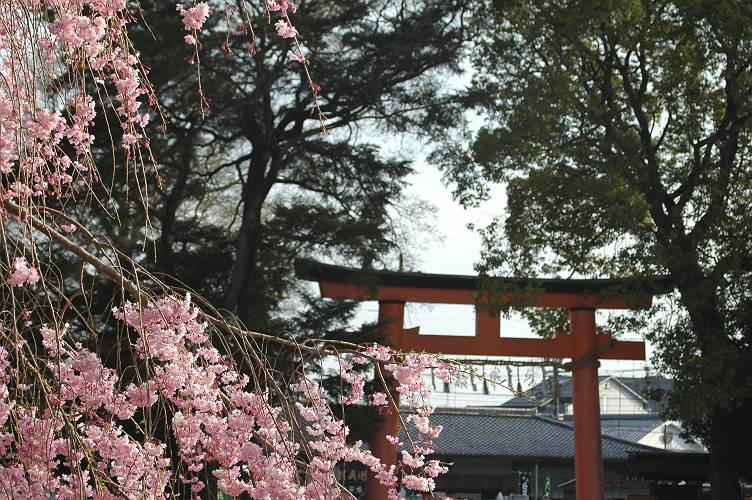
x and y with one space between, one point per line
357 284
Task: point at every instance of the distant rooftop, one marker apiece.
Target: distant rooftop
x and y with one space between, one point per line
630 427
543 392
516 434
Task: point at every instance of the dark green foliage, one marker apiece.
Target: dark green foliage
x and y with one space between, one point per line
255 183
622 132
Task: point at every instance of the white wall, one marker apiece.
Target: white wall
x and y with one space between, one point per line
615 398
667 437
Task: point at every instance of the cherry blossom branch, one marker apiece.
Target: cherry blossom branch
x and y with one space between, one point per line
286 29
142 296
249 430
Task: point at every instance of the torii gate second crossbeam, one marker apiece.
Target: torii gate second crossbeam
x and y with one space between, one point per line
583 345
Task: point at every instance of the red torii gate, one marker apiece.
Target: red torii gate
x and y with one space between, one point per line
582 297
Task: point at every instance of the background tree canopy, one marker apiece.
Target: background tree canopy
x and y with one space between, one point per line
622 132
255 183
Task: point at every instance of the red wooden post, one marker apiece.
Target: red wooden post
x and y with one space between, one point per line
391 323
588 464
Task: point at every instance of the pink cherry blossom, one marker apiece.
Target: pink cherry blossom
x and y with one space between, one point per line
23 274
194 17
142 395
417 483
379 399
394 440
281 5
285 29
79 427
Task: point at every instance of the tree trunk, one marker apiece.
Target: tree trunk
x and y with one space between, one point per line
244 295
724 474
699 294
247 301
170 205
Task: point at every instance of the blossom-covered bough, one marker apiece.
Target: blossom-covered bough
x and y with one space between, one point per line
171 413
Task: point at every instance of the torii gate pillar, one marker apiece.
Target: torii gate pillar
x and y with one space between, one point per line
587 426
391 321
588 463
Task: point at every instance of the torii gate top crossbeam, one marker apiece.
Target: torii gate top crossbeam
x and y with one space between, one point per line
355 284
387 286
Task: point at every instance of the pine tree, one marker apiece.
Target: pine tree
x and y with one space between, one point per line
255 183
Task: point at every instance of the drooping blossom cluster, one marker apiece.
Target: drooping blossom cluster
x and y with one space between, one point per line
193 20
356 379
22 274
70 425
329 434
251 440
77 429
327 440
406 370
45 137
191 374
285 28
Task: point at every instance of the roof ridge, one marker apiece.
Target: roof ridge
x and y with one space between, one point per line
490 411
626 386
632 416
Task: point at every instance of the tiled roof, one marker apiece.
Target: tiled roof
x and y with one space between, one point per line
544 391
629 427
642 384
515 435
524 402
